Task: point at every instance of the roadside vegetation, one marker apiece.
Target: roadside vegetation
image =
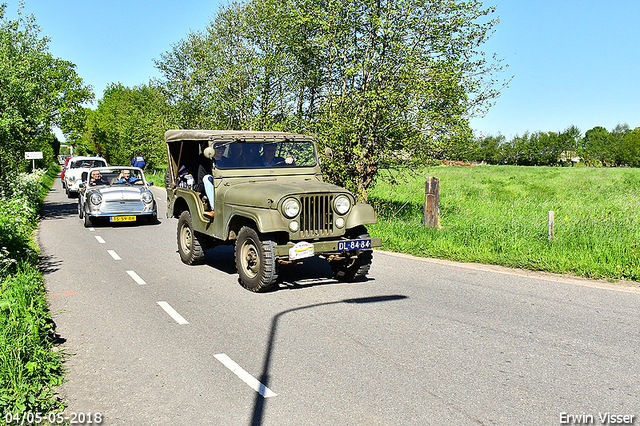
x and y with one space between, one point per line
29 365
499 215
374 81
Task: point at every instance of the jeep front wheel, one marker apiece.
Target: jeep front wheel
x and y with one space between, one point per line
255 260
189 246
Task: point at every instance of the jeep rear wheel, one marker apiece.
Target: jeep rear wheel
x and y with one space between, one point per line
189 247
255 260
356 267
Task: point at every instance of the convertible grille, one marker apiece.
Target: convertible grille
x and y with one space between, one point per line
122 207
316 216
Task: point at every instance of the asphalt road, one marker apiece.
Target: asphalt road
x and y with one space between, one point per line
420 343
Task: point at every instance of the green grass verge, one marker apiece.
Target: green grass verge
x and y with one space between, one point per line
29 365
498 215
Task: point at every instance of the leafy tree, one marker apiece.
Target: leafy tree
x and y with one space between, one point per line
597 144
631 147
369 78
490 149
128 121
37 91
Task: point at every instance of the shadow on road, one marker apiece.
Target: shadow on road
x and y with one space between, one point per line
59 210
49 264
309 273
260 400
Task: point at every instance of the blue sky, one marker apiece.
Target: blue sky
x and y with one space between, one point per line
573 62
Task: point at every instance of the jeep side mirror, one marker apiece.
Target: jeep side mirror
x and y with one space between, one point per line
209 152
328 153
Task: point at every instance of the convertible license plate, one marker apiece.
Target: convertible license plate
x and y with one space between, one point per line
354 245
122 218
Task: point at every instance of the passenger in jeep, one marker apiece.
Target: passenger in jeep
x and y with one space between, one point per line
268 158
204 183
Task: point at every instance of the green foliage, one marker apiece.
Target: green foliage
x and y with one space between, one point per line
37 91
129 121
29 368
620 147
369 78
498 215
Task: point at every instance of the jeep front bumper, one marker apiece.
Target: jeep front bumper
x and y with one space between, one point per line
323 247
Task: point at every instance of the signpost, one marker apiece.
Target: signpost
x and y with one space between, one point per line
33 156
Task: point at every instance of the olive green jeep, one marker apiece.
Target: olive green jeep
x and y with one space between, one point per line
269 199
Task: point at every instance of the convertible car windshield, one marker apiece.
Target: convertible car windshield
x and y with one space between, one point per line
114 176
259 155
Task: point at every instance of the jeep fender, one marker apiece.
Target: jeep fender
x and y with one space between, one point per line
361 214
266 220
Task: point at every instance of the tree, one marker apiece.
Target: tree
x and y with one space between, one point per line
369 78
596 144
128 121
37 91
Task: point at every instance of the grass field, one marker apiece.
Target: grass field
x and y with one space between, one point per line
499 215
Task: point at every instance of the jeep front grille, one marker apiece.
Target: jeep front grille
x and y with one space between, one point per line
316 216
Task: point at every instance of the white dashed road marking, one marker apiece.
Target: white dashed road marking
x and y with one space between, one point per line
244 376
136 277
114 254
172 312
100 239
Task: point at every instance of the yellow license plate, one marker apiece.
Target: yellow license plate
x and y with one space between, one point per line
123 219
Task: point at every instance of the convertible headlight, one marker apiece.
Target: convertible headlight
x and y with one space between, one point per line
95 199
291 208
147 198
342 204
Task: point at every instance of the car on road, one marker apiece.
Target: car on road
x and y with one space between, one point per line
116 194
269 201
74 170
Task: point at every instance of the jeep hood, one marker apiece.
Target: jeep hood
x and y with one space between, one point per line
268 193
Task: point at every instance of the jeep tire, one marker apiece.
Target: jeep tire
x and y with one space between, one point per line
255 260
354 268
189 246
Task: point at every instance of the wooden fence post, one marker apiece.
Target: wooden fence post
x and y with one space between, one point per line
431 202
551 224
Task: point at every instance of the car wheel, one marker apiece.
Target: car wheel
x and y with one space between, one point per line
255 260
189 246
80 210
356 267
88 222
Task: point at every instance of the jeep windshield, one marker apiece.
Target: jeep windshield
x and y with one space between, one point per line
249 155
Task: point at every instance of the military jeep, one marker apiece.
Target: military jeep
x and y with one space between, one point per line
269 200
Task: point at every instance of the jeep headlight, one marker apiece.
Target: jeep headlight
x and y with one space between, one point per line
342 204
291 208
95 199
147 198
